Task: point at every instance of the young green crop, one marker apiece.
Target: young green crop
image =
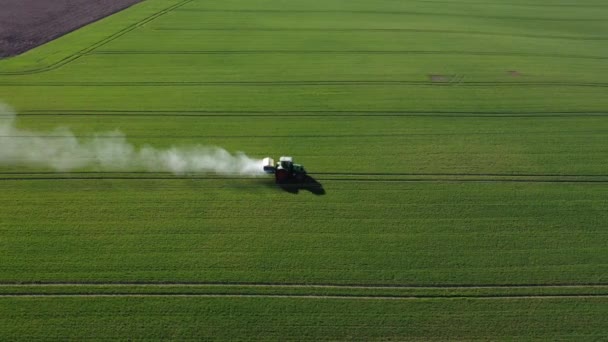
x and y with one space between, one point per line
461 148
235 318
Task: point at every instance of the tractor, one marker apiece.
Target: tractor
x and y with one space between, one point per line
285 171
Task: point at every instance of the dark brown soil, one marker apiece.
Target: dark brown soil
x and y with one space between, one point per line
25 24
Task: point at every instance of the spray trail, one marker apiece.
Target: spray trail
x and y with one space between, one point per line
66 153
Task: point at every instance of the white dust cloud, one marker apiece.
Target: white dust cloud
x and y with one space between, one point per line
62 151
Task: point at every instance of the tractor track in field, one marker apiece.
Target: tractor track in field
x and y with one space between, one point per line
512 4
302 296
339 52
327 176
303 113
303 285
357 180
344 180
305 136
194 287
26 24
319 173
603 182
177 7
393 13
397 30
90 48
353 83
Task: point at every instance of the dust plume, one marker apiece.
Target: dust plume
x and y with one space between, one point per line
62 151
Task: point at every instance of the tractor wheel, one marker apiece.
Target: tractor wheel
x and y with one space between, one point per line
281 176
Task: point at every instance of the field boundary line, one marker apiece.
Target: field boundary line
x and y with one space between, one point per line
70 58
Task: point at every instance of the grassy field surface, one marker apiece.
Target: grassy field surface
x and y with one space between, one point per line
181 318
461 150
387 232
297 318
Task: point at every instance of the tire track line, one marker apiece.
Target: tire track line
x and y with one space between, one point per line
188 287
435 14
510 4
304 113
398 30
337 52
353 83
329 173
305 136
304 285
321 176
303 296
342 180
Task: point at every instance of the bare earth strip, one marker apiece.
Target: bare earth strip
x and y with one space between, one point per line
25 24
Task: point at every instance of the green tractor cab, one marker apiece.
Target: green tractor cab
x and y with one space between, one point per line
285 170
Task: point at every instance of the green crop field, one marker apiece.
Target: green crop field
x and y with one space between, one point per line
461 149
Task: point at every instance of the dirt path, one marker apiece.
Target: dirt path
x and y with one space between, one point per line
25 24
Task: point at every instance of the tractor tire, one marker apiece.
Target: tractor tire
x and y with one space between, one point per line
281 176
300 177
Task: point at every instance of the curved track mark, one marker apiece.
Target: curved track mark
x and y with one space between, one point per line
102 42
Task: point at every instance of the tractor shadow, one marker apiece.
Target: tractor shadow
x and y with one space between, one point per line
308 184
